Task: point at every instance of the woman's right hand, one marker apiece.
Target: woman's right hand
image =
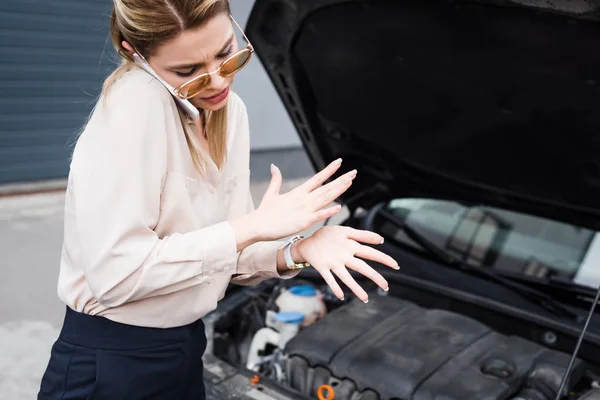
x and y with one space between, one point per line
282 215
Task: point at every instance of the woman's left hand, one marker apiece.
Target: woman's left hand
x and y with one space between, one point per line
333 249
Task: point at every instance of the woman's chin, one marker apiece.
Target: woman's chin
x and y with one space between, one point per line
210 106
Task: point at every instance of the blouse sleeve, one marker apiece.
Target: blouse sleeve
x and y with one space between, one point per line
119 172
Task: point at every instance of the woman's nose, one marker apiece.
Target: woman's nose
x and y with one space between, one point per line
217 82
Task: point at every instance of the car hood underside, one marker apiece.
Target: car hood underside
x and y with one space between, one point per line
493 103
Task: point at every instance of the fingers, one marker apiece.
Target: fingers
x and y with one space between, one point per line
330 280
318 179
275 184
365 269
370 253
345 276
326 213
364 236
328 193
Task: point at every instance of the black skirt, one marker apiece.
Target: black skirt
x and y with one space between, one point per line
96 358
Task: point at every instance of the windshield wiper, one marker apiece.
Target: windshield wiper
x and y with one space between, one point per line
560 286
533 295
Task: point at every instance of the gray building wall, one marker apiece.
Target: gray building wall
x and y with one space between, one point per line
55 55
51 69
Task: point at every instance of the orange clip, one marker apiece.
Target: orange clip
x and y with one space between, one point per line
330 395
255 380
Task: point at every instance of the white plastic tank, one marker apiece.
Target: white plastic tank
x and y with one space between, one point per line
305 299
280 329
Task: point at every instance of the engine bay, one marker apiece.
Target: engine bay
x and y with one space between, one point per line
300 336
393 348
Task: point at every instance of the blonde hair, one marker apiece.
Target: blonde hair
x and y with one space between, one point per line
145 24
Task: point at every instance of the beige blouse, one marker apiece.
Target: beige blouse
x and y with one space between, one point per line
146 238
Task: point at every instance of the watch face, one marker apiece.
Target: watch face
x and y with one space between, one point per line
300 266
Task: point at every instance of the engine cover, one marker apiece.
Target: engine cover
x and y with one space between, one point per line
394 349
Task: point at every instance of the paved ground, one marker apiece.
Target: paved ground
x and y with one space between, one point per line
31 229
30 241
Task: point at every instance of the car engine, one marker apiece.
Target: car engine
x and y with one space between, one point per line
394 349
388 349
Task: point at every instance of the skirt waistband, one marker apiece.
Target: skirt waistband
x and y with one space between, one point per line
101 333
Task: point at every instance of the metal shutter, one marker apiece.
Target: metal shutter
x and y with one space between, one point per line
54 56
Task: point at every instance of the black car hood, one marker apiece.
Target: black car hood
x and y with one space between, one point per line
487 102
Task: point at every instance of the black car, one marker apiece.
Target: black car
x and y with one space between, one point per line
475 128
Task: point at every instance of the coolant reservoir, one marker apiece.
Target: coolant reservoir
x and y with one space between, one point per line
288 325
304 299
281 328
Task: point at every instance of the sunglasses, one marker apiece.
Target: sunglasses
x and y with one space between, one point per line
194 86
229 67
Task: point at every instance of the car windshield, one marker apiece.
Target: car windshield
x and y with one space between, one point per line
504 240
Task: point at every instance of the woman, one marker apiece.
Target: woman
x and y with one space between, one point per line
158 216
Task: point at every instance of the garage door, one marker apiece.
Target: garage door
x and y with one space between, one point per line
54 55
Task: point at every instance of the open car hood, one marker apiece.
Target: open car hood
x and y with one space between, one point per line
481 102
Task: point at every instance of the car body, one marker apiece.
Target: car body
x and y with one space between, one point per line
474 126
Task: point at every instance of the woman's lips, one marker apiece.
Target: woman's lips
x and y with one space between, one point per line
219 97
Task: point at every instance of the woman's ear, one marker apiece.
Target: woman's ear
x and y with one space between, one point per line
127 46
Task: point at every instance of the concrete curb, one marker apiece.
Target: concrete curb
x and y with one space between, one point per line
24 188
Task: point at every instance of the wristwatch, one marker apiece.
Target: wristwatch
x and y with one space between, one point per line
287 254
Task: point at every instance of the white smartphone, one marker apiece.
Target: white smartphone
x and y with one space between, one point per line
187 106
